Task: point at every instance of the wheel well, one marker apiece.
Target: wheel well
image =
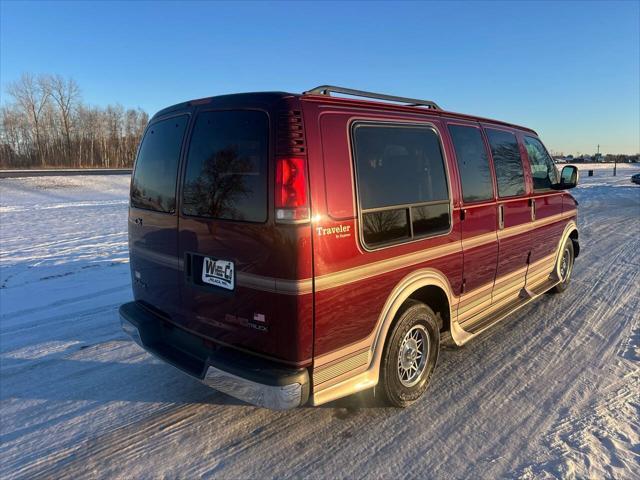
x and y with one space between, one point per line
437 300
576 246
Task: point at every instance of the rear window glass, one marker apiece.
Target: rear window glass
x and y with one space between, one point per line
226 175
398 165
473 163
507 163
154 180
402 184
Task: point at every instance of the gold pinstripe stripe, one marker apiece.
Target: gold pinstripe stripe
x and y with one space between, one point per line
479 240
350 275
526 227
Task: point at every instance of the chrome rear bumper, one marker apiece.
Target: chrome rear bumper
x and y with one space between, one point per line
281 397
245 377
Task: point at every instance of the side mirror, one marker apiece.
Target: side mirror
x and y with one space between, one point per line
568 178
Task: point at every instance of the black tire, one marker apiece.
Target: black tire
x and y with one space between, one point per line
415 321
568 256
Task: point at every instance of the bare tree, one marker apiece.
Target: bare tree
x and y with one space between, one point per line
48 125
66 95
32 94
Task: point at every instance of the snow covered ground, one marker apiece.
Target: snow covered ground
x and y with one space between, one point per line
554 391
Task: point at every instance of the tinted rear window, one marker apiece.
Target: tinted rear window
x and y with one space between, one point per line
473 163
226 175
154 181
398 165
402 185
507 163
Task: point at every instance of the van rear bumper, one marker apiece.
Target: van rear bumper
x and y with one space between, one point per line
249 378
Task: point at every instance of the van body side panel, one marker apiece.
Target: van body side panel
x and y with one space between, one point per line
544 239
513 250
337 176
352 284
479 259
348 313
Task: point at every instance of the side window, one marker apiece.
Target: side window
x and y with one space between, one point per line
473 163
154 180
402 184
226 175
543 170
507 163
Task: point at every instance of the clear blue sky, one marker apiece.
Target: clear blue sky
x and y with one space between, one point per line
569 70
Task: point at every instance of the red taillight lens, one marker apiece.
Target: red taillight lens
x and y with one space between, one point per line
291 189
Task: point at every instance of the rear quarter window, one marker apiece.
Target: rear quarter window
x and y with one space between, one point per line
226 174
154 181
401 182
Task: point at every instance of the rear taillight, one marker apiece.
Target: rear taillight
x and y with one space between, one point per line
291 200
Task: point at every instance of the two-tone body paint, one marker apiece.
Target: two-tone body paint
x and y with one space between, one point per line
328 301
346 311
496 257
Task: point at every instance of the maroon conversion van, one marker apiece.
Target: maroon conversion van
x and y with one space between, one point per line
296 248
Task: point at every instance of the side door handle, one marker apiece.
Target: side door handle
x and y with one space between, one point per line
501 217
532 204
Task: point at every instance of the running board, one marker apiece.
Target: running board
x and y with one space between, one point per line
526 295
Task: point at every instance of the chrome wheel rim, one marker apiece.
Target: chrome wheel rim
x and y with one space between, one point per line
565 265
413 354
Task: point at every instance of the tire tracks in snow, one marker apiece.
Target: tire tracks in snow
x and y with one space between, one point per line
532 391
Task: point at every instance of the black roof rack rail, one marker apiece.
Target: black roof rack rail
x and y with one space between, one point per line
413 102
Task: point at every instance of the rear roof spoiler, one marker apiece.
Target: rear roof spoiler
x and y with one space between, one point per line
412 102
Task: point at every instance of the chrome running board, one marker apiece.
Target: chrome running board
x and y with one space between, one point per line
472 329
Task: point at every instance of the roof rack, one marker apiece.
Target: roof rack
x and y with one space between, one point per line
412 102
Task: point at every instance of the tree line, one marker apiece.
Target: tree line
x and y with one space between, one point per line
46 124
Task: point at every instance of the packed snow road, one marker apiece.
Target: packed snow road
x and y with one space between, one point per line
553 391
